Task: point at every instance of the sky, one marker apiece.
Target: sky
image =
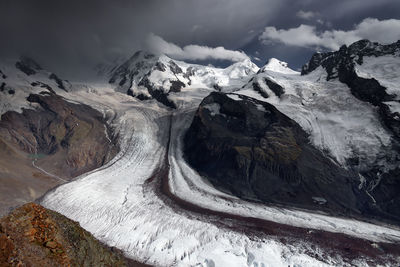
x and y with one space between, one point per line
70 37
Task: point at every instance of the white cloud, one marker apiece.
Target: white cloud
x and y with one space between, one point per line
383 31
158 45
307 15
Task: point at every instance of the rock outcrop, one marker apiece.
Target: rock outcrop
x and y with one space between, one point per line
250 149
34 236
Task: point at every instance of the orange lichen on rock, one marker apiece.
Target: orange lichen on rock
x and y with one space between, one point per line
29 236
34 236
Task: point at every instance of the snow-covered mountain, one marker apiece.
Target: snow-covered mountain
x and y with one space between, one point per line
147 76
20 78
153 204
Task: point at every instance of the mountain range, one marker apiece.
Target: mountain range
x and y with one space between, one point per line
195 158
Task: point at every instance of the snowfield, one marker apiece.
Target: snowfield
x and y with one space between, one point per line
384 69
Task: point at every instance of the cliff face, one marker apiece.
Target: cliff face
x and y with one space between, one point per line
34 236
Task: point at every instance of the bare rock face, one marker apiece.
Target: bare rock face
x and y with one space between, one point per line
34 236
248 148
74 137
43 147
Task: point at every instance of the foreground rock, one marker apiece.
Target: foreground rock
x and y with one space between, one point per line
249 148
34 236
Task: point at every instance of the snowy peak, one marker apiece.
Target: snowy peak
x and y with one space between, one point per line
143 64
27 73
20 78
241 69
276 65
265 82
147 76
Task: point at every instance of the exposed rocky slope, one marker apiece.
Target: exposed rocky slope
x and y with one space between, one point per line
45 139
73 136
249 148
55 142
34 236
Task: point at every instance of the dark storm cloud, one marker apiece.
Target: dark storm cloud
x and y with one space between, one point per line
83 31
70 36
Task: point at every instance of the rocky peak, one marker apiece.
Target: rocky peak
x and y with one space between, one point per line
137 65
146 76
347 56
342 65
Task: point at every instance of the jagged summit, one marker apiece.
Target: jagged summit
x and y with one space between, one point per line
146 76
371 71
350 55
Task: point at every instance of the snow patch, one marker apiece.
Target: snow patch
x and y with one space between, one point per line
214 108
234 97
